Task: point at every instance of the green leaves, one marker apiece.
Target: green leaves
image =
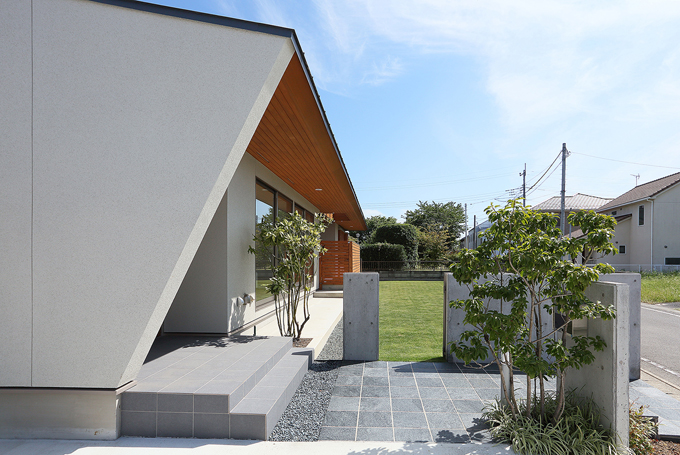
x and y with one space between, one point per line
522 274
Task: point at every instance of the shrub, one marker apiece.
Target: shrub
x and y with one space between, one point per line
578 431
399 234
641 430
383 252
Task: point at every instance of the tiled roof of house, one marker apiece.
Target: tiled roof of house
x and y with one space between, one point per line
576 202
643 191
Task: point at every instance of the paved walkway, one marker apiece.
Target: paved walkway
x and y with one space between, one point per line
413 402
657 403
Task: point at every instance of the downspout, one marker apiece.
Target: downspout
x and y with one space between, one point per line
651 237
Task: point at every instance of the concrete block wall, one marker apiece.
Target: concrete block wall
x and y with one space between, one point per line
361 297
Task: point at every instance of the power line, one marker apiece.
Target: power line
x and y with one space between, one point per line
626 162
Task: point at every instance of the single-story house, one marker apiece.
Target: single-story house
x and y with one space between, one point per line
648 218
139 146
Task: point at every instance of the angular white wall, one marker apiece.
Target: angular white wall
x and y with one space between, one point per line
15 193
138 123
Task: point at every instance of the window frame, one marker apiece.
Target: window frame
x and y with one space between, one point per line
622 249
641 215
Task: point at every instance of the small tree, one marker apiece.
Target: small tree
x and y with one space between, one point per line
372 223
293 243
439 216
532 268
432 244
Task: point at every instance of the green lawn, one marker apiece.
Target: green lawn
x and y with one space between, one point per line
411 320
660 288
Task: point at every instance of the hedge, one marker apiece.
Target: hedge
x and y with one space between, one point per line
393 255
399 234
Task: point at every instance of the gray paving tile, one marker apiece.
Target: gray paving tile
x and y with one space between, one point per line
474 423
667 413
348 380
144 401
344 404
438 406
424 366
433 393
459 393
401 381
409 420
375 404
404 392
175 424
375 434
211 426
488 394
341 418
371 391
406 405
337 434
483 382
376 364
429 382
450 436
401 373
135 423
446 367
447 420
375 419
346 391
430 375
468 406
412 435
376 381
171 402
455 381
375 372
258 405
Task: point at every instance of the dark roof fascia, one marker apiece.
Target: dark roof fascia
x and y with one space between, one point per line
641 199
254 27
636 201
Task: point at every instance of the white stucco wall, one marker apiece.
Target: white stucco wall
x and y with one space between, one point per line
139 121
15 193
622 237
223 270
638 246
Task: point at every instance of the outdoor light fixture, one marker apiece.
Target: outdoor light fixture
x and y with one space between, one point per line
247 298
319 189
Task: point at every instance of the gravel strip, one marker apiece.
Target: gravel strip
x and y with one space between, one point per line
302 419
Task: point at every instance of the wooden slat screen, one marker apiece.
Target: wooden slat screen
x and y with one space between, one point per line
341 257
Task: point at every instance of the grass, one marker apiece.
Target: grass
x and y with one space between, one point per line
411 321
660 288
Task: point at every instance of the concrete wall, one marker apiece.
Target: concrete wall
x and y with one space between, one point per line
223 270
15 193
606 379
634 298
135 138
361 316
453 317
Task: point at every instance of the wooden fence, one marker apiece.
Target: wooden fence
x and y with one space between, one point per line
341 257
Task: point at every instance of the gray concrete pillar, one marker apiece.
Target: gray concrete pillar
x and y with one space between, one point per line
360 316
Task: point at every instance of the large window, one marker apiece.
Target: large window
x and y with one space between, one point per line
270 206
265 201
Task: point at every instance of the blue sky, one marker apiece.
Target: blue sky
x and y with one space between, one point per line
447 100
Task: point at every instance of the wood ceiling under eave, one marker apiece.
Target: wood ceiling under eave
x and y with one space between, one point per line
293 142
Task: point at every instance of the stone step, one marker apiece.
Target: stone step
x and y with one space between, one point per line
190 390
328 294
256 415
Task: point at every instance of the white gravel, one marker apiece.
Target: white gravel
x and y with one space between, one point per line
302 419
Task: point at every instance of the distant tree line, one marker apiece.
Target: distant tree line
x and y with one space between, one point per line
429 233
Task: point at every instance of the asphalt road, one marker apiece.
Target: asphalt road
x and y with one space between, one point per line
660 344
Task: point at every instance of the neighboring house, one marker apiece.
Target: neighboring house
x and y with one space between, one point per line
473 238
139 146
576 203
647 235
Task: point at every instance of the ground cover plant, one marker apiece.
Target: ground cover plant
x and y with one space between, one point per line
411 315
526 284
660 287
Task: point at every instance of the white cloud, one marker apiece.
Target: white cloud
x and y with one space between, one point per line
372 212
387 69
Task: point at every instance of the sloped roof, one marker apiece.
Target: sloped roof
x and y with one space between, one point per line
576 202
644 191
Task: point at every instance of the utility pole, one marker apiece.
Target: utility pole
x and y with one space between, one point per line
474 230
562 193
524 185
467 245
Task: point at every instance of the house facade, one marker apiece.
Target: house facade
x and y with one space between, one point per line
139 147
648 223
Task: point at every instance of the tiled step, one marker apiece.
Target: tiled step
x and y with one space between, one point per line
257 414
188 387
